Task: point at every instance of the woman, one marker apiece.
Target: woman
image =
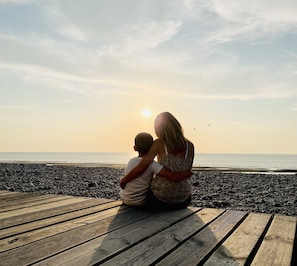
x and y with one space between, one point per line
174 152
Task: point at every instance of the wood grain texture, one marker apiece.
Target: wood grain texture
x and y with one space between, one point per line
65 230
277 246
238 247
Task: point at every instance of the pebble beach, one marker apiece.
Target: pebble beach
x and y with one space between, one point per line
273 193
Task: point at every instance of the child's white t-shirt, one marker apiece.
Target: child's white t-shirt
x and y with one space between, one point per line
136 190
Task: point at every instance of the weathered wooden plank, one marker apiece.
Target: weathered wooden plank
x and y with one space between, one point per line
21 197
38 215
50 230
50 246
85 208
194 250
17 195
93 206
93 232
147 251
23 203
3 191
10 197
237 248
277 246
29 210
6 192
103 247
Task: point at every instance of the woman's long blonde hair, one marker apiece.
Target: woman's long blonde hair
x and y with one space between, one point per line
170 131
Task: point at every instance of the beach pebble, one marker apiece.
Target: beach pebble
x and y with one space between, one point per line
264 193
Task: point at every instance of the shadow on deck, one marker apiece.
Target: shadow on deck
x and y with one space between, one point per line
40 229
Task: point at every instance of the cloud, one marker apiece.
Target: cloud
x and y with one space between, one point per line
250 20
293 108
153 46
45 77
40 51
19 107
145 36
248 10
140 45
16 1
289 52
73 32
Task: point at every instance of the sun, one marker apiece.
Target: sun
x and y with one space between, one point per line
146 113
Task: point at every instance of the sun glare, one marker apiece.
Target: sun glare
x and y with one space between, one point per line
146 113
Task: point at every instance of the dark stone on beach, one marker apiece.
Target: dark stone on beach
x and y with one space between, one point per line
221 204
265 193
270 193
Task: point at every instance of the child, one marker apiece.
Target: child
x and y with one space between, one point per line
136 191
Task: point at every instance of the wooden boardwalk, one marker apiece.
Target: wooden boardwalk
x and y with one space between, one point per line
65 230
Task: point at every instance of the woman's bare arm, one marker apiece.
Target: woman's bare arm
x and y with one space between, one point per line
191 153
175 176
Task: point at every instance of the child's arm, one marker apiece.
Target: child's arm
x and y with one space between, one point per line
175 176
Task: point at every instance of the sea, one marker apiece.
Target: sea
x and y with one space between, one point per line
271 162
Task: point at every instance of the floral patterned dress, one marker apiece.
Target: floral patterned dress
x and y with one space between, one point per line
170 191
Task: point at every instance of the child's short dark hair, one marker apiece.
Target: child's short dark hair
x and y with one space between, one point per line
143 142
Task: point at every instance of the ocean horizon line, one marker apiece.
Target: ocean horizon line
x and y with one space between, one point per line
133 152
201 160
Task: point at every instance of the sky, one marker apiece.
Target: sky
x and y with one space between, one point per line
76 76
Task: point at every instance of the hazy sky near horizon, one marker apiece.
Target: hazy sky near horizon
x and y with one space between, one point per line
76 75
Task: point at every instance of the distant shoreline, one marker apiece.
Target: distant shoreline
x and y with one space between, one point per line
194 168
263 192
202 161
